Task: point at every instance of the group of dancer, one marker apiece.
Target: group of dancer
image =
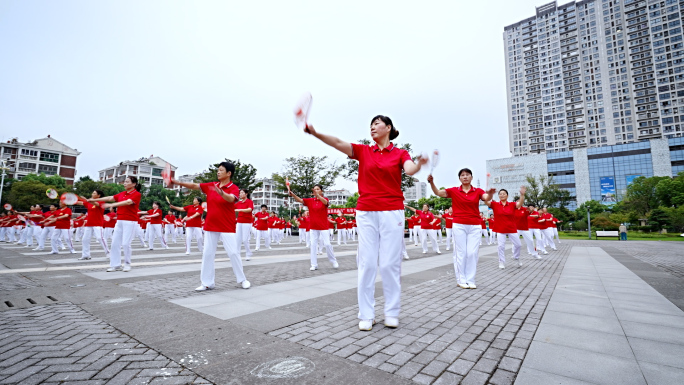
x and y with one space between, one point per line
379 219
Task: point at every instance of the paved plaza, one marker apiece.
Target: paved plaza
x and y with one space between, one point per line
593 312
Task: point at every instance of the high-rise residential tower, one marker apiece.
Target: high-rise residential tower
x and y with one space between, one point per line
594 73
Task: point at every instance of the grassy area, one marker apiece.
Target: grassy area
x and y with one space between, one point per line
631 236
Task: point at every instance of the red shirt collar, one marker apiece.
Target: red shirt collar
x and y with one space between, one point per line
389 148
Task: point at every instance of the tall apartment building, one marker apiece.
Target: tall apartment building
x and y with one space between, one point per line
47 155
337 197
147 170
594 73
419 190
269 194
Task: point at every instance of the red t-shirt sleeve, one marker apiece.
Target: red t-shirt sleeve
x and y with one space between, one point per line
404 157
357 151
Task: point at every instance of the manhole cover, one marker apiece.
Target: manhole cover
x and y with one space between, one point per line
291 367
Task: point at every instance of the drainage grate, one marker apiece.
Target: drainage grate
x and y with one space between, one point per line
53 299
9 304
32 302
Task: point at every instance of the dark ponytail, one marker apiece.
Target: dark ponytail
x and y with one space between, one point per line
385 119
135 181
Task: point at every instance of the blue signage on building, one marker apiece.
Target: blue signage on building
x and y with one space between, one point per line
608 190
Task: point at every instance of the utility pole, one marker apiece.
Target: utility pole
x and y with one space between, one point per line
589 222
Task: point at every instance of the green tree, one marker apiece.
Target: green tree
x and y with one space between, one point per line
604 223
26 193
54 181
352 201
543 192
436 203
658 219
676 218
244 176
595 207
304 172
641 194
350 170
562 213
670 192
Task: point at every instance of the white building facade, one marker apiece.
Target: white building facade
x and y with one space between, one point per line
47 155
419 190
147 170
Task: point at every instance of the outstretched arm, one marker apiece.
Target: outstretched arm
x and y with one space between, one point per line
521 201
296 198
332 141
435 190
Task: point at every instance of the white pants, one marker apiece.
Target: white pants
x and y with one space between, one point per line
194 232
169 229
485 234
432 234
229 241
540 239
527 236
288 231
548 235
321 236
439 235
47 232
154 231
263 234
307 237
28 234
466 252
122 237
108 232
179 231
341 236
380 239
449 238
140 233
416 235
88 233
352 233
59 234
555 234
79 233
515 240
273 235
242 237
302 236
331 234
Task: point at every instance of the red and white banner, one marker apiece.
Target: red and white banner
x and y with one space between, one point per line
343 211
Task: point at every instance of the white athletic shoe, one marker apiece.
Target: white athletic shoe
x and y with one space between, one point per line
108 256
111 269
538 256
84 258
270 248
54 252
312 268
38 249
73 252
439 252
187 253
204 288
406 256
246 284
127 268
519 263
501 266
554 249
463 286
391 322
448 248
424 252
545 252
472 286
248 258
366 324
336 265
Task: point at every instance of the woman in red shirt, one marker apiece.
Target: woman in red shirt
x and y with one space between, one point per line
318 212
154 227
261 219
169 227
506 224
379 215
465 202
220 224
62 221
93 225
244 207
427 228
193 224
126 203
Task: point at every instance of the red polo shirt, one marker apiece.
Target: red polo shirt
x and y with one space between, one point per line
533 222
410 222
158 219
305 223
547 221
64 223
171 219
484 223
437 225
261 221
220 213
492 225
272 222
380 177
465 206
191 210
142 223
426 218
129 212
521 215
448 219
341 223
244 217
416 220
505 217
95 214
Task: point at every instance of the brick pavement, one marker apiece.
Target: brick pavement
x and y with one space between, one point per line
15 282
446 334
62 343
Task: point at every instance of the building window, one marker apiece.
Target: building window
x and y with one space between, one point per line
157 181
47 170
156 171
28 154
27 167
49 157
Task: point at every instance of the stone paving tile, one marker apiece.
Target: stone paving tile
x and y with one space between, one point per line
450 334
15 282
668 256
183 287
122 360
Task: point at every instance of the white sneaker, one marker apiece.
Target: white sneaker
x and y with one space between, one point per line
111 269
72 252
439 252
127 268
108 256
463 286
545 252
248 258
187 253
204 288
84 258
37 249
270 248
519 263
406 256
336 265
391 322
246 284
54 252
63 247
312 268
424 252
472 286
366 324
554 249
501 266
538 256
448 248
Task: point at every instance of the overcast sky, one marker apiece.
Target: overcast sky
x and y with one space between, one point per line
198 81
